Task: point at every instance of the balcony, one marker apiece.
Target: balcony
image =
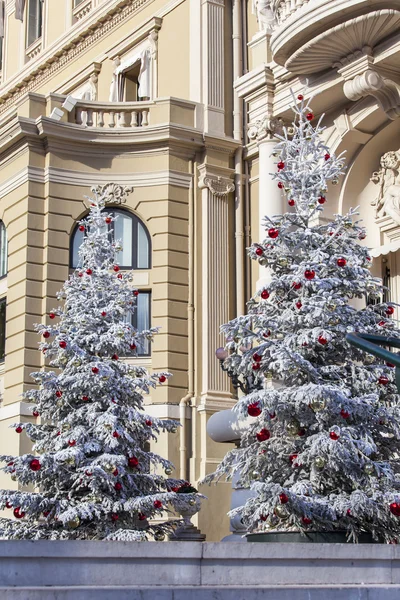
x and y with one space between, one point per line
313 35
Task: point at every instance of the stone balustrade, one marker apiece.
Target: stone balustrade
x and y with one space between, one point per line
285 8
111 114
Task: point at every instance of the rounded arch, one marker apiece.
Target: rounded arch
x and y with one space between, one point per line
130 230
3 250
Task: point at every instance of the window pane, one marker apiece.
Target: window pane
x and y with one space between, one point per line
141 319
142 248
3 250
34 21
123 232
2 329
78 239
76 2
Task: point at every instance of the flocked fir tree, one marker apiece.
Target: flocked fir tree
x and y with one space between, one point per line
321 453
91 471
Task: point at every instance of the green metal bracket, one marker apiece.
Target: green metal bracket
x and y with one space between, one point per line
371 344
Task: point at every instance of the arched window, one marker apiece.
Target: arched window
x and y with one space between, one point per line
128 229
3 250
135 254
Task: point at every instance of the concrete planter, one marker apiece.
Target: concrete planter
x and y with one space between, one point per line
311 537
73 570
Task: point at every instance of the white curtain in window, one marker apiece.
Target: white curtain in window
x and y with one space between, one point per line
117 84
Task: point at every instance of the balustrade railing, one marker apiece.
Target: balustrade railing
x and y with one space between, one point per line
111 114
285 8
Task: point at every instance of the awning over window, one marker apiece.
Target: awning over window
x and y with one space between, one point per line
385 249
117 84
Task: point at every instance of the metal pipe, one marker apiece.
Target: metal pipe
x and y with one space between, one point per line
185 401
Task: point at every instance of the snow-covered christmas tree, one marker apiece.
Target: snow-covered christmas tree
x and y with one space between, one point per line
93 474
321 453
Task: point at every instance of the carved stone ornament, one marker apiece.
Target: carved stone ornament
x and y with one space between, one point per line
267 127
388 178
371 83
265 14
112 193
219 186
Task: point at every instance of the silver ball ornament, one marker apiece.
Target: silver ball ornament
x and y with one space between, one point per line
317 404
320 462
74 523
168 471
281 512
331 305
293 427
255 475
369 469
174 429
159 536
283 262
192 502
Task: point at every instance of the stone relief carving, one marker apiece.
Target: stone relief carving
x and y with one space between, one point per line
388 178
265 14
267 127
112 192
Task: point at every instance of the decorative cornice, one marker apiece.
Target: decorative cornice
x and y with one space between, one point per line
73 48
267 127
219 184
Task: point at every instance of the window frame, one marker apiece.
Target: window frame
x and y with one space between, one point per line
135 221
3 301
148 293
39 27
3 230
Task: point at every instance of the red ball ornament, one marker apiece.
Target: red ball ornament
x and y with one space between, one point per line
296 286
292 458
281 165
88 473
254 409
95 370
162 379
108 220
382 323
115 357
81 228
157 504
256 366
391 365
389 311
300 97
36 413
80 274
142 517
119 276
309 274
148 422
291 202
46 334
85 398
116 434
89 271
301 432
280 185
18 429
344 413
322 340
58 393
259 251
341 262
321 200
333 435
257 357
267 334
263 435
118 486
273 232
263 517
136 293
265 294
17 513
133 462
383 380
309 116
284 498
52 315
299 305
9 505
114 516
35 464
306 521
132 346
63 344
395 509
327 156
272 415
115 472
116 268
72 443
103 314
362 236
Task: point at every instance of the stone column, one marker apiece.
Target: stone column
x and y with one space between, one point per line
270 197
213 65
215 276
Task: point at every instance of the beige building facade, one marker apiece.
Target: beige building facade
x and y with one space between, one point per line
178 103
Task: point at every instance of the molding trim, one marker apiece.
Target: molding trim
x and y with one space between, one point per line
217 179
166 411
16 409
67 177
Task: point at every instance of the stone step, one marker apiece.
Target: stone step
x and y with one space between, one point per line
378 592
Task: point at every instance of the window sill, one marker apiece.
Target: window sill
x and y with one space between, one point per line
81 10
34 49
